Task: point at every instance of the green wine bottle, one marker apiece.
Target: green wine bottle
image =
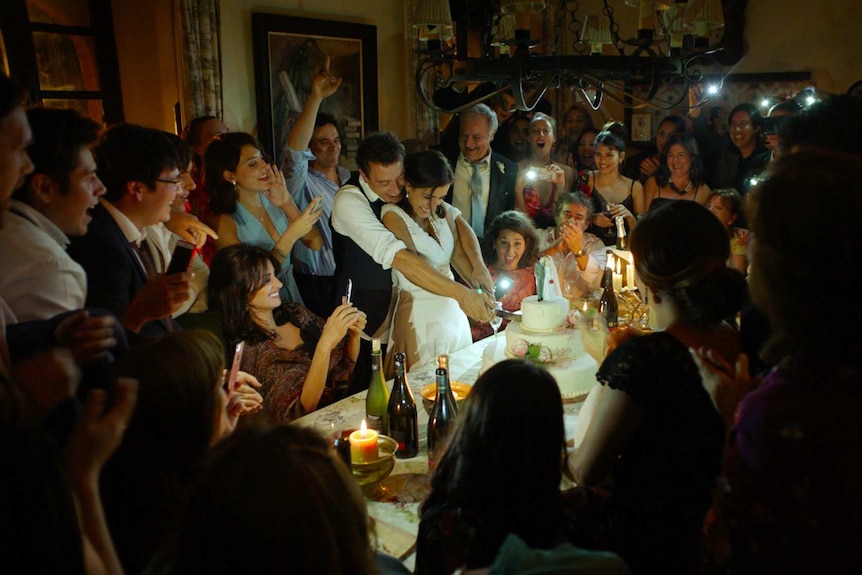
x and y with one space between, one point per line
377 398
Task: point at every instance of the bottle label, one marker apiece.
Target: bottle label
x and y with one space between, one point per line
374 422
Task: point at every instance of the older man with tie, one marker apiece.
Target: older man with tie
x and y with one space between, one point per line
484 183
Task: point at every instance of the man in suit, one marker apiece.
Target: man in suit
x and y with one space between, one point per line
484 183
140 168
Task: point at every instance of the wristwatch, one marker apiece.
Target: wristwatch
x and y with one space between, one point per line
581 253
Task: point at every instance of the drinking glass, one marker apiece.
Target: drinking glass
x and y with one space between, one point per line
496 321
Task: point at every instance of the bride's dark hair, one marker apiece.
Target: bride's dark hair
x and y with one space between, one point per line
426 169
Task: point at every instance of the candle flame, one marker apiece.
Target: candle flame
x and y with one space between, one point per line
363 429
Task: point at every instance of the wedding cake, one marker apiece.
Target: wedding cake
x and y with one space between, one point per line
547 336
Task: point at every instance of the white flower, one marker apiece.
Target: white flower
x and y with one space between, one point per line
502 167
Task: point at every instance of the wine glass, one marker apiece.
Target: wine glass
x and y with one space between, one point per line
497 320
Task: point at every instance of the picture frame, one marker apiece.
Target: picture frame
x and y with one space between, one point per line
288 52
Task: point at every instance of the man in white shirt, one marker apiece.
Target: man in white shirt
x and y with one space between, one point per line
38 279
579 256
484 185
365 250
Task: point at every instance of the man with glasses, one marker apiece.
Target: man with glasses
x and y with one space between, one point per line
141 169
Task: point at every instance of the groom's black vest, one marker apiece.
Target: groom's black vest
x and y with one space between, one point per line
372 285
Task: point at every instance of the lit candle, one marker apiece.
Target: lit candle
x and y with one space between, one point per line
646 16
618 277
630 276
363 445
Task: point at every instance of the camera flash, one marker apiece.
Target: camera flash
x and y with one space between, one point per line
764 103
712 89
531 174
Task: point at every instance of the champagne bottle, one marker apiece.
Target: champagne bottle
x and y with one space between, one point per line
622 239
608 302
442 417
403 420
377 398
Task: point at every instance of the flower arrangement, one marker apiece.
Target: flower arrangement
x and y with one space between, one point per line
532 352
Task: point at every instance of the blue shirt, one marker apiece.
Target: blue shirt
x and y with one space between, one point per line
305 183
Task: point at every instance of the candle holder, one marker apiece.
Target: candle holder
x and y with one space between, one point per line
429 392
370 474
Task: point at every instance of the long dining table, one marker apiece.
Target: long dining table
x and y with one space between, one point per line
394 503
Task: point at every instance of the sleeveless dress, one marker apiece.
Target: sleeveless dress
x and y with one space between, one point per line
608 235
659 201
424 324
541 214
249 230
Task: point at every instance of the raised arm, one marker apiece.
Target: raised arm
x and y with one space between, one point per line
323 85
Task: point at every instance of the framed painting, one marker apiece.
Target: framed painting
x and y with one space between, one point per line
288 52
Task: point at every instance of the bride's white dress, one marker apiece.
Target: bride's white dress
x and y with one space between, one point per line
425 325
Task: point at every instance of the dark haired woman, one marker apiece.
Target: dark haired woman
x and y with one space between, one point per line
250 204
199 133
612 193
511 250
679 176
500 476
182 411
669 126
655 433
301 361
426 324
792 497
275 501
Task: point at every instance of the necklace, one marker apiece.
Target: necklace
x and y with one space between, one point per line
682 192
258 211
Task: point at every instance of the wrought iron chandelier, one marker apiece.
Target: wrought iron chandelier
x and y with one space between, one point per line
670 47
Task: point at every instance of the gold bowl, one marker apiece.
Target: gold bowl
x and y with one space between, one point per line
374 471
429 393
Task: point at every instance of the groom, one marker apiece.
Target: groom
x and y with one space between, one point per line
365 250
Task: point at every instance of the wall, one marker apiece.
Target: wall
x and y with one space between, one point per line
147 53
781 36
796 35
238 66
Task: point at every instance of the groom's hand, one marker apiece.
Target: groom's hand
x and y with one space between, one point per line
476 305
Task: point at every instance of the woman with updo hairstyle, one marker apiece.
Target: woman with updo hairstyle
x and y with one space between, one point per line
655 432
500 475
792 496
612 193
273 501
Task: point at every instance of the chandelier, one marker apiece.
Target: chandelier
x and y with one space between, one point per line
670 46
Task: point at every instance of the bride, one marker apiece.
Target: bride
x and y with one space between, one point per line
425 324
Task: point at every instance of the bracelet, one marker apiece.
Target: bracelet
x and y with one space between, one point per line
279 252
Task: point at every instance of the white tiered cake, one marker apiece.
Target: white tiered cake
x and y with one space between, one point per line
544 336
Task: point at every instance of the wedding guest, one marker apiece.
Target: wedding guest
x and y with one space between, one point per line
468 514
655 437
579 256
582 154
611 192
302 361
199 134
726 205
251 204
679 176
511 251
540 179
182 410
294 509
669 126
519 139
791 497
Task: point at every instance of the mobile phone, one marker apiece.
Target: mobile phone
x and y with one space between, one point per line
318 206
349 292
181 258
234 368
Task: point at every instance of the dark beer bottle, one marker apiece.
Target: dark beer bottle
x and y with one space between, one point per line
377 398
403 420
608 307
442 417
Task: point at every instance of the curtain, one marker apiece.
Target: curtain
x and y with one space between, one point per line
201 55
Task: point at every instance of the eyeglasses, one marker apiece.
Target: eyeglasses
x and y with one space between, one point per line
175 183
